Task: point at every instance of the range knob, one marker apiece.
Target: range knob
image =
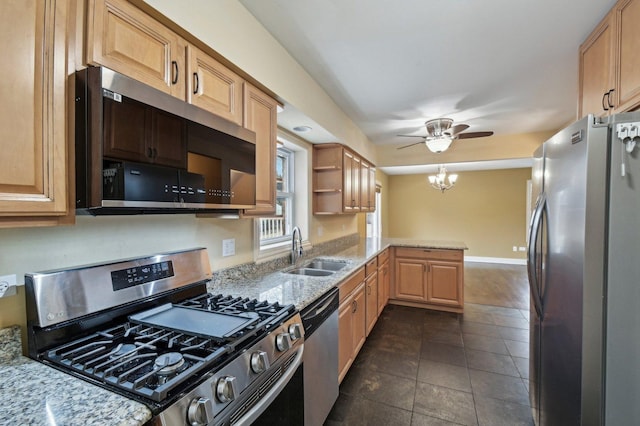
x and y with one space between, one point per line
259 361
200 412
283 342
226 388
295 331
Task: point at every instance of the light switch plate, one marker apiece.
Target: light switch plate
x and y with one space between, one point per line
229 247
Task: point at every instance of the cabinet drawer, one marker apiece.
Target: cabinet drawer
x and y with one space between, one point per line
371 266
429 253
347 286
383 256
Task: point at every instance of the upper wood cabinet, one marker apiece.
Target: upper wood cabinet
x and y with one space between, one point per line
341 181
34 165
609 64
125 39
213 87
260 113
351 179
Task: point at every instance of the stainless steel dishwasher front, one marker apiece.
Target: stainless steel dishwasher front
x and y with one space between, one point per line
320 360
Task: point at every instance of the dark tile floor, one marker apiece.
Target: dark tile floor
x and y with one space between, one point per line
422 367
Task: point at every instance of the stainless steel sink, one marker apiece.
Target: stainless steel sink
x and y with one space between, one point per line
328 265
310 272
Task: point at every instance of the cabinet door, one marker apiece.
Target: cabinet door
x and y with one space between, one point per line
355 183
445 283
410 280
372 295
125 39
372 189
359 328
33 113
365 202
628 60
384 279
596 69
260 117
345 336
213 87
348 164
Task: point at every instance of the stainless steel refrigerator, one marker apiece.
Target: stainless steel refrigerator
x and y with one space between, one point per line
584 274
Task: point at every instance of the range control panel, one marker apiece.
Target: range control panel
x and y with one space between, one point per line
139 275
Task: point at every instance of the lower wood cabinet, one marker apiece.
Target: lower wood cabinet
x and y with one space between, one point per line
351 321
371 290
384 281
429 278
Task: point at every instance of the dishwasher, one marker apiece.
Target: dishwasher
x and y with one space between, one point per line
320 359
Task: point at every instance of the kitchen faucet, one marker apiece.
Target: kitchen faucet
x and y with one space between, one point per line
296 253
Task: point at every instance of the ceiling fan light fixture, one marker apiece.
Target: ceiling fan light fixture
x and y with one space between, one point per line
438 144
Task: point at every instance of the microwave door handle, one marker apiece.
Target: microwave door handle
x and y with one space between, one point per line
532 255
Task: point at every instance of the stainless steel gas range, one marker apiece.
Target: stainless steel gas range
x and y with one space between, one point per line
148 329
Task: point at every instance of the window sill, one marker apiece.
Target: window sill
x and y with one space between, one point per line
276 250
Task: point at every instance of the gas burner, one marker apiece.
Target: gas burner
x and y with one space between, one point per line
169 363
124 351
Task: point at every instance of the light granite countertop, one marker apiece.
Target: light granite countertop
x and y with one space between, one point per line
301 290
32 393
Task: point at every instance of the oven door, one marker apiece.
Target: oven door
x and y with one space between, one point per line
282 404
288 407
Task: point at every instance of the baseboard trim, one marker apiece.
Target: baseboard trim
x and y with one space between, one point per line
505 260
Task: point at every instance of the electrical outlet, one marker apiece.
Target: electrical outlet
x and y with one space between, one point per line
320 231
515 248
229 247
7 285
522 249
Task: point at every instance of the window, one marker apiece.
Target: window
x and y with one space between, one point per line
277 229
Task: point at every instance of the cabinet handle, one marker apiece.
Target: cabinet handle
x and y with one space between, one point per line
354 305
608 105
369 287
196 83
150 152
174 65
155 152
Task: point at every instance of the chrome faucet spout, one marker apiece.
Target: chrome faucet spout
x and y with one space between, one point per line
296 252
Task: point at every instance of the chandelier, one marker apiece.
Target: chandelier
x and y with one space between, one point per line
441 181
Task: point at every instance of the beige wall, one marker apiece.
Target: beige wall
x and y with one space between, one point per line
486 210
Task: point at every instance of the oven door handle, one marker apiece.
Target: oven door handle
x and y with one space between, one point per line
265 401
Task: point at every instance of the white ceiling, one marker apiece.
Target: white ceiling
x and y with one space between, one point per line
510 66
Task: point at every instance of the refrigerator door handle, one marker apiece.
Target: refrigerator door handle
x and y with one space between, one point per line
532 254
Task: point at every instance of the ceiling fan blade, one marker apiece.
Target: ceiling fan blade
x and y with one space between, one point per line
457 129
474 135
412 136
407 146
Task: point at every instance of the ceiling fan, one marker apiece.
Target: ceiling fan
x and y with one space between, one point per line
441 132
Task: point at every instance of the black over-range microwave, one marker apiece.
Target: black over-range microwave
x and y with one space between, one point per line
140 150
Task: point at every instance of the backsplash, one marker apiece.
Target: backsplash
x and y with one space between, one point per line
250 270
